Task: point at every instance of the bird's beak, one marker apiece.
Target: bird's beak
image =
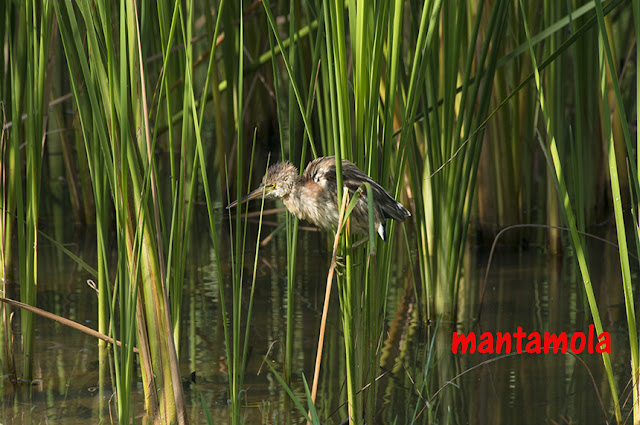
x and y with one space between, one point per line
255 194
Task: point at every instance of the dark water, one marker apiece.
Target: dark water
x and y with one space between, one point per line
528 288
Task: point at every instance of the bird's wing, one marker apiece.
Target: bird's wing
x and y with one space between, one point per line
323 172
387 206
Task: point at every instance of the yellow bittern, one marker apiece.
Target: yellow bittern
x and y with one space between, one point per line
314 197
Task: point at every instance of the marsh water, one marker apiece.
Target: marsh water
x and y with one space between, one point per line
526 286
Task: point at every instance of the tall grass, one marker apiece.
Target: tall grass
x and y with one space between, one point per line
448 162
609 74
554 158
113 118
456 85
362 288
26 90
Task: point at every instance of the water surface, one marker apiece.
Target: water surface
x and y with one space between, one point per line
528 288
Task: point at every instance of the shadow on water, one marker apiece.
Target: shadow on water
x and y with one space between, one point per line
526 288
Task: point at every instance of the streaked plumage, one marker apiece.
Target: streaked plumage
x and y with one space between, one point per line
313 196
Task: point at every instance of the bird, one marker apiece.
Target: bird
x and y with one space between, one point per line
313 196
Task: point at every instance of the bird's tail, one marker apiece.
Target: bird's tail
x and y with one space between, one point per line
396 212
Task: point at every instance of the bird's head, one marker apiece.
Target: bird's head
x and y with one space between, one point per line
278 182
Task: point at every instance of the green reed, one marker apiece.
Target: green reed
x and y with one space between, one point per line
453 126
115 86
26 89
10 175
361 318
289 147
456 83
554 157
36 94
635 368
235 356
445 144
608 74
236 340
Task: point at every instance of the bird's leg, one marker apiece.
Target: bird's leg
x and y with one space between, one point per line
340 263
340 258
338 272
